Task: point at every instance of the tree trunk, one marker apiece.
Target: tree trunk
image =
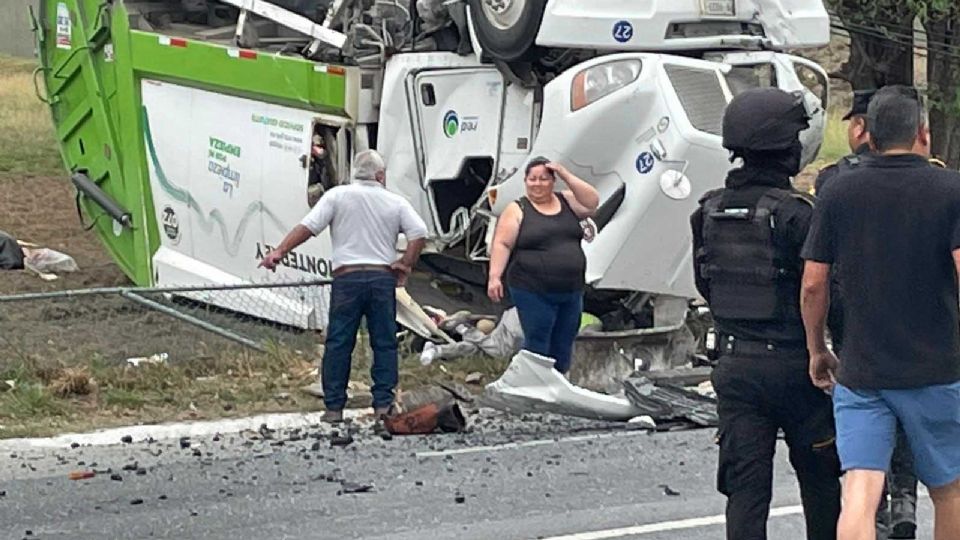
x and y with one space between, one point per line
943 77
877 61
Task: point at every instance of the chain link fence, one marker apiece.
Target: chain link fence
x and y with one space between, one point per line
170 324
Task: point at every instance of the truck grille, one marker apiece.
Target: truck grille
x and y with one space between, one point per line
701 96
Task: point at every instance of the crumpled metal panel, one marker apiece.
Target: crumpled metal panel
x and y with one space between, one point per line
530 384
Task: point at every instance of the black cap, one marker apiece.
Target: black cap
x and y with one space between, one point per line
861 100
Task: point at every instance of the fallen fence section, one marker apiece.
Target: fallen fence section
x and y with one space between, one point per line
118 324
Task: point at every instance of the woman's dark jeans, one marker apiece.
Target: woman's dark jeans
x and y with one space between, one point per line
550 323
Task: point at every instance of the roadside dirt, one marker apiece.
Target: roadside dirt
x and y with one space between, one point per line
41 210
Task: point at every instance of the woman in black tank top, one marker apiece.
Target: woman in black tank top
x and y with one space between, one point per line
539 236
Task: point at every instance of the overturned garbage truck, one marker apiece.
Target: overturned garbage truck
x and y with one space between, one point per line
198 132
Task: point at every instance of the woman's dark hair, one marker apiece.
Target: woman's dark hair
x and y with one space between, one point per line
535 162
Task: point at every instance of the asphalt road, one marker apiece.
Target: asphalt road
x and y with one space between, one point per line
554 478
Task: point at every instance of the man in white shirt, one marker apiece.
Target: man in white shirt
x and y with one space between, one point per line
365 220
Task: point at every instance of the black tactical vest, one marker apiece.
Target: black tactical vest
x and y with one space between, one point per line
750 276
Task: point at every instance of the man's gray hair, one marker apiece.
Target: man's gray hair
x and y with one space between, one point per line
367 164
895 116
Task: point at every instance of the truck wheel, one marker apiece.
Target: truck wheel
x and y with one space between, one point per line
507 29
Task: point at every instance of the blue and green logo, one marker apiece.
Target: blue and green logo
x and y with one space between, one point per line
451 124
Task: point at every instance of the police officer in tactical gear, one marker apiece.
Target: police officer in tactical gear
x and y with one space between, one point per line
747 239
897 518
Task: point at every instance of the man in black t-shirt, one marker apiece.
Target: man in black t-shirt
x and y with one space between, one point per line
892 227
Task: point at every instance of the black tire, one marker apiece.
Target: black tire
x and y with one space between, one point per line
510 44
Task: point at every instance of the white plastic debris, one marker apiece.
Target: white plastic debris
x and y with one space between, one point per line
530 384
48 261
644 421
155 359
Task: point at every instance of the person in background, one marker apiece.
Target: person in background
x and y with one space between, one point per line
858 138
539 236
365 220
892 228
746 243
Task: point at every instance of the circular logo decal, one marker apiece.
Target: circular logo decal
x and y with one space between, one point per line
171 224
645 162
451 124
623 31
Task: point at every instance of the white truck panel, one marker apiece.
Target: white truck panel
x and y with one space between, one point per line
228 170
643 25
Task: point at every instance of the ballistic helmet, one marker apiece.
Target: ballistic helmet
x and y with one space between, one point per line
762 119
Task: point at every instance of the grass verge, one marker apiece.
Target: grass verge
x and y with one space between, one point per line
27 143
48 398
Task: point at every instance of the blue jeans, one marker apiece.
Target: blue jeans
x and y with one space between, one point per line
352 296
550 323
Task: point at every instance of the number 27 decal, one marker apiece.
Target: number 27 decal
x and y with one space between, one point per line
623 31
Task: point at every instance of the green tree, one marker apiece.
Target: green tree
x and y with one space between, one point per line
942 22
882 53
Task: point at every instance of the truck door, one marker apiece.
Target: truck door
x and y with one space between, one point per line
790 73
458 121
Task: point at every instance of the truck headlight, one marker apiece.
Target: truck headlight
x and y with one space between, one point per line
601 80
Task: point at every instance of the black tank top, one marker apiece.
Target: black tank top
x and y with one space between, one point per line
547 256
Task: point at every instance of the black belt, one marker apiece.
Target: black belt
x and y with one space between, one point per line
728 344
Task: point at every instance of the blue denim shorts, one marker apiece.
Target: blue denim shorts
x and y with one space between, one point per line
867 427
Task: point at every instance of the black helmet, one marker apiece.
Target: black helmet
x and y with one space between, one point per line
764 119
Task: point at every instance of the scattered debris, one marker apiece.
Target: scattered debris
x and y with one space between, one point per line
48 261
644 421
156 359
663 401
667 490
81 475
266 432
351 487
340 440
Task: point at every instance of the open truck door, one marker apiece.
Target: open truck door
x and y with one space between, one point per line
458 115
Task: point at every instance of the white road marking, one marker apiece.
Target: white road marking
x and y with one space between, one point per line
527 444
677 525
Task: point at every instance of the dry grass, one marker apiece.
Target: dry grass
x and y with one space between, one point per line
27 143
51 398
73 381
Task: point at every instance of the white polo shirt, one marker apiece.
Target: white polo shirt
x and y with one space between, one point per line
365 220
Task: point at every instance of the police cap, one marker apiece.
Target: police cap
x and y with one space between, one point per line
764 119
861 99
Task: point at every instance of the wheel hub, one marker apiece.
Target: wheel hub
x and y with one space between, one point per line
503 14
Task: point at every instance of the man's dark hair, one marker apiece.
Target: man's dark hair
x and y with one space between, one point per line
895 116
535 162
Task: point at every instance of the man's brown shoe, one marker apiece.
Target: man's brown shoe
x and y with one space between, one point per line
332 417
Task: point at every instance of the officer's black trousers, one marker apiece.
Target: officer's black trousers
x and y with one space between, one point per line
757 395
